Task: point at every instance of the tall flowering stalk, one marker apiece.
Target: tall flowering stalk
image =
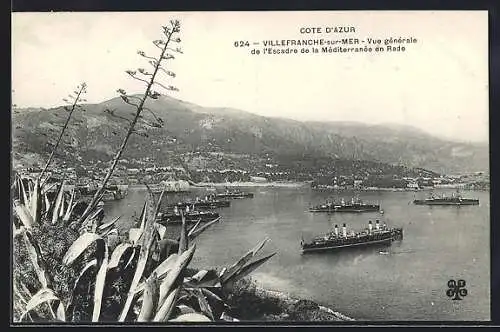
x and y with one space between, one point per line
77 98
149 79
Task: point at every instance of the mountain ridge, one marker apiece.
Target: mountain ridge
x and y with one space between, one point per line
193 127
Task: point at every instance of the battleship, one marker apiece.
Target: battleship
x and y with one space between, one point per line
191 217
355 205
454 199
381 235
236 194
207 203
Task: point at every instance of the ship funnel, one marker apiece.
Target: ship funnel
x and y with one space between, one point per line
370 226
344 230
377 224
336 230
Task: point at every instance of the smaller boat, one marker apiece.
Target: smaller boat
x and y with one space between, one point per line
356 205
454 199
111 192
381 235
234 194
207 203
193 216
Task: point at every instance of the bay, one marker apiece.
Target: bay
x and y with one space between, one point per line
406 282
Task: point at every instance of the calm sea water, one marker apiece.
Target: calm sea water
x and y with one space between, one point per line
409 283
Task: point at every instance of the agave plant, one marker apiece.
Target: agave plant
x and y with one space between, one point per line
144 278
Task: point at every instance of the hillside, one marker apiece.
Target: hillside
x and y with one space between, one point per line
96 134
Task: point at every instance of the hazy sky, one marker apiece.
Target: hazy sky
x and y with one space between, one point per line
440 84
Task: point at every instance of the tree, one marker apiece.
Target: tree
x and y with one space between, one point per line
138 102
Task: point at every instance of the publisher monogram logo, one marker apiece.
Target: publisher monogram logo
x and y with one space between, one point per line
456 289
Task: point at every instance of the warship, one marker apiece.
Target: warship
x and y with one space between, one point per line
234 194
207 203
454 199
371 236
356 205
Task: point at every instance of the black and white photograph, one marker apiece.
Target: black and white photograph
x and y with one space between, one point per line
270 167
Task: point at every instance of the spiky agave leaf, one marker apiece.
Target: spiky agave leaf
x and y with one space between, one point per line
161 270
37 260
198 231
210 282
58 202
134 234
23 214
238 265
24 194
149 299
36 202
204 305
211 294
30 188
87 266
143 215
76 250
167 306
62 207
162 230
193 229
117 254
191 317
145 241
71 206
101 229
246 270
42 296
79 246
100 281
48 187
170 279
198 276
183 242
77 282
184 309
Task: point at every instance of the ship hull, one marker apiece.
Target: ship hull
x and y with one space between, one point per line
347 209
235 196
177 219
453 203
384 238
202 205
387 241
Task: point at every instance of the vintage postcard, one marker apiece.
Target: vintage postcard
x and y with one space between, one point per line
289 166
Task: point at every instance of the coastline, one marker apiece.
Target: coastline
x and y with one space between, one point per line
254 301
289 300
251 184
202 185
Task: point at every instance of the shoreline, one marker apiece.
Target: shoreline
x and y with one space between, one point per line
212 185
251 184
290 300
208 185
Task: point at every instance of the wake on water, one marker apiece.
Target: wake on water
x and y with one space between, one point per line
396 252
